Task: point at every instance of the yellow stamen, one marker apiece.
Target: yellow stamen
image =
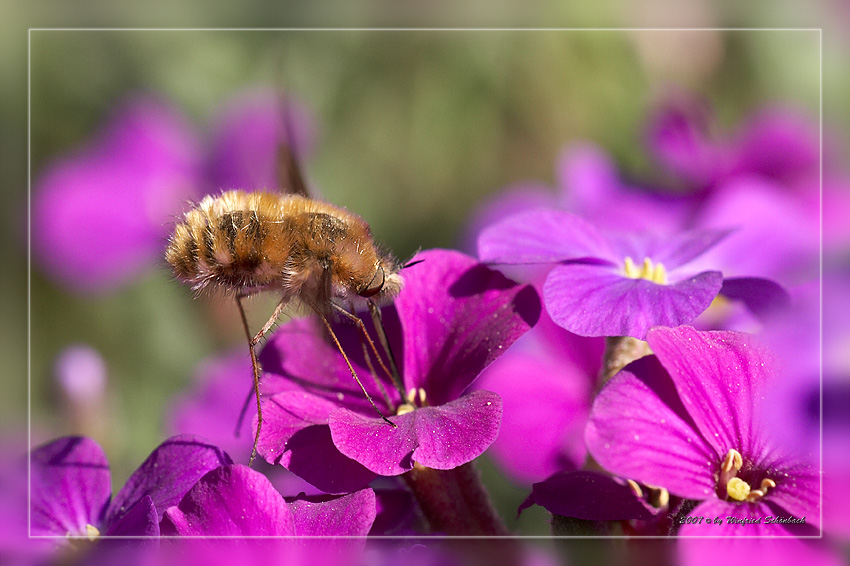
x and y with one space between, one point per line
655 273
737 489
92 532
405 408
733 460
635 487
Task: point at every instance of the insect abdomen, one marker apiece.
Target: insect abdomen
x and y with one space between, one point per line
228 244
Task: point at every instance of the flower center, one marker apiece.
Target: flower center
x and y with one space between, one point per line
81 543
655 273
736 488
415 397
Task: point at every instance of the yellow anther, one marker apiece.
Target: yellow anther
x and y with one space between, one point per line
630 269
661 498
755 495
659 274
411 395
421 397
92 532
655 273
737 489
766 484
732 461
635 487
405 408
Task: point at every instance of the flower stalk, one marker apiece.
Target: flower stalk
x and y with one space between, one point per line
455 501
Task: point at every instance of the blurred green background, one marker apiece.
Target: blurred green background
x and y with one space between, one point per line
415 129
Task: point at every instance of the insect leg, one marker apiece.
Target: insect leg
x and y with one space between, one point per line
256 370
382 336
348 362
362 328
270 322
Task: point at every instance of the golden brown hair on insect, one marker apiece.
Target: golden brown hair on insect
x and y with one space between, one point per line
311 253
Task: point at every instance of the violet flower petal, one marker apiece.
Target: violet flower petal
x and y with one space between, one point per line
295 435
591 300
347 515
441 437
458 316
542 236
140 520
639 429
762 297
70 483
717 375
168 473
672 250
799 495
592 496
230 500
299 357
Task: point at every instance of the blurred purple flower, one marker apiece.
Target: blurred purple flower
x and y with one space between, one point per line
588 184
81 373
451 320
211 408
690 419
99 216
678 134
617 284
546 383
248 136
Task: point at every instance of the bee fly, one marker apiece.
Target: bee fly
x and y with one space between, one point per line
312 253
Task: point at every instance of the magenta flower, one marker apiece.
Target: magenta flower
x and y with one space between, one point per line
691 419
451 320
99 216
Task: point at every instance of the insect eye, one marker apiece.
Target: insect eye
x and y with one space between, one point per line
375 285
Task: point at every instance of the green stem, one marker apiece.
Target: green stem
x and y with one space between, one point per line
619 352
455 501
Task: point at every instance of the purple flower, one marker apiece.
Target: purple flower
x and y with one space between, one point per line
546 383
588 184
690 419
678 134
71 492
248 136
239 504
451 320
100 215
614 285
235 500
